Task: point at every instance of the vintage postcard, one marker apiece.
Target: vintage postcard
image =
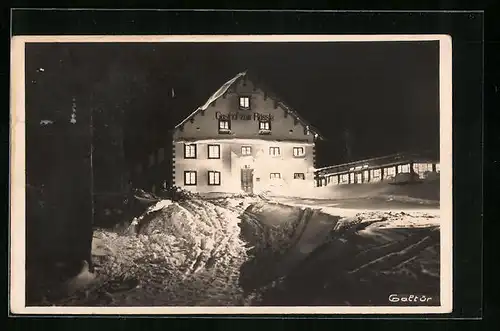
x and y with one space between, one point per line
278 174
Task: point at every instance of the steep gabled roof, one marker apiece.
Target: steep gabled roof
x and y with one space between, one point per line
220 92
226 86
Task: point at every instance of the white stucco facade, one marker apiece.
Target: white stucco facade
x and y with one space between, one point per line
268 172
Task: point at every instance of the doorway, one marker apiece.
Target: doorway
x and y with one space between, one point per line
247 180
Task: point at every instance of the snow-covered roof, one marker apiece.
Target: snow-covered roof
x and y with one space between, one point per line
220 92
223 89
388 160
249 141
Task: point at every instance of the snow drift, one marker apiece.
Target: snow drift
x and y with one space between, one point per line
175 254
302 256
426 191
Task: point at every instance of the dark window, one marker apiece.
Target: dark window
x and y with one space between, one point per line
275 175
299 175
214 178
274 151
244 102
189 177
246 150
190 151
214 151
298 151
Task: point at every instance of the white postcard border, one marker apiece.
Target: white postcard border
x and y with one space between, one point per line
17 177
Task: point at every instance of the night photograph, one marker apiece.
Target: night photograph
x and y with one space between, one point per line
233 174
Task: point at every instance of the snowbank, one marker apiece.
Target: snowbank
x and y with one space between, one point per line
159 205
180 253
238 202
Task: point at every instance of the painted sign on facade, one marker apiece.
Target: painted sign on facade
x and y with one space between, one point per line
244 117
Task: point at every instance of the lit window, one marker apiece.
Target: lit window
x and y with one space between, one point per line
161 155
224 125
421 168
274 151
300 175
376 173
298 151
214 151
417 167
275 175
264 125
244 102
403 168
246 150
334 180
344 178
213 178
365 175
389 172
189 177
437 167
190 151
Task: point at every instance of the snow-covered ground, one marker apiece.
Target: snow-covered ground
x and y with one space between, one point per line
426 192
233 250
334 256
401 215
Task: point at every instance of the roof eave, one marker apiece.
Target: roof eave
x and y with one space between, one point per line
213 96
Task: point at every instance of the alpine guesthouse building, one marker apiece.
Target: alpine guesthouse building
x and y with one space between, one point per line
243 139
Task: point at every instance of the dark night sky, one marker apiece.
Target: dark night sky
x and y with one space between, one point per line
385 93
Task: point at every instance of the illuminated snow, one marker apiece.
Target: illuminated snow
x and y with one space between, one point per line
159 205
245 141
46 122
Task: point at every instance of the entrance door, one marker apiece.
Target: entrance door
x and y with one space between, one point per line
247 180
359 178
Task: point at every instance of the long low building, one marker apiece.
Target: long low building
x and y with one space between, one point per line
377 169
